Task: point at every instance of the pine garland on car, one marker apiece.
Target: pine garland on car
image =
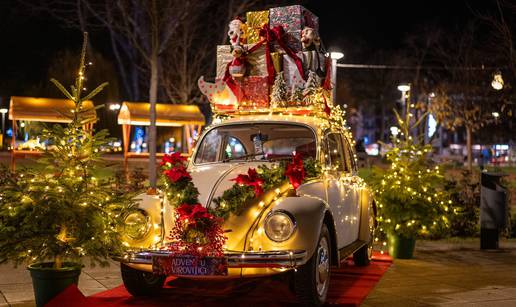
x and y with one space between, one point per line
197 230
236 198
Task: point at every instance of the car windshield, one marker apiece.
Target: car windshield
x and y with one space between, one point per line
255 142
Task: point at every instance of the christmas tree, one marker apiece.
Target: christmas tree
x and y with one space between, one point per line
311 87
296 95
61 211
410 194
279 92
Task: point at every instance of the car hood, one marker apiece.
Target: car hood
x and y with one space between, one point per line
211 181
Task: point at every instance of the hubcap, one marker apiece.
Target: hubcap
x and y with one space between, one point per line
323 267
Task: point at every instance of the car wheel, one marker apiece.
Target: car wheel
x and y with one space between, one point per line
140 283
312 280
362 257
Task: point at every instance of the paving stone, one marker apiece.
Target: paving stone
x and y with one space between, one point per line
9 274
87 291
480 295
24 304
111 282
448 274
90 283
21 295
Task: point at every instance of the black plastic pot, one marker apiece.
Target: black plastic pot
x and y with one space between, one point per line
401 247
49 282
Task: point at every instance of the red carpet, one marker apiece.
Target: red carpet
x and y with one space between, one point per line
349 286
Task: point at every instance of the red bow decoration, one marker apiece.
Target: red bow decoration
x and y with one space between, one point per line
295 171
251 179
276 34
178 173
268 36
173 159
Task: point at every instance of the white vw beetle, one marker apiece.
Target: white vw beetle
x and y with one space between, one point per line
300 233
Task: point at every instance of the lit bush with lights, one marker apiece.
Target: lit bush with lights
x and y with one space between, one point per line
410 194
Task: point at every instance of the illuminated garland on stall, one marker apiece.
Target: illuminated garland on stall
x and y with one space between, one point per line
198 231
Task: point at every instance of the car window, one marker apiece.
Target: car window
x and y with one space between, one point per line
234 148
209 148
255 141
334 155
348 155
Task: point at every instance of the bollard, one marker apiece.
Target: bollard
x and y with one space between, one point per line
493 210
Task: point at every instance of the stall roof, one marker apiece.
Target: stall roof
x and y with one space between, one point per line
47 109
175 115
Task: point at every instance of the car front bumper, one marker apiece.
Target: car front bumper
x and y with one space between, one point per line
284 259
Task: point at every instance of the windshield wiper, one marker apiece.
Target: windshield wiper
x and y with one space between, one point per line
244 157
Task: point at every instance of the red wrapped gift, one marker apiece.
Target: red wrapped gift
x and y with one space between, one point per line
255 92
293 19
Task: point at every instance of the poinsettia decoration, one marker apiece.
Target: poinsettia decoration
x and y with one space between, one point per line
295 171
196 231
251 179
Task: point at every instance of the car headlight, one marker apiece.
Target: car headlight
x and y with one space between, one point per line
279 225
137 225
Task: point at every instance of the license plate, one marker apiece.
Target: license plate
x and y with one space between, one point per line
189 266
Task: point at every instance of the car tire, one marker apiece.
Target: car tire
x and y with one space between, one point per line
311 280
140 283
362 257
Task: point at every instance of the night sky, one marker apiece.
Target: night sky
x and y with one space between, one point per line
28 41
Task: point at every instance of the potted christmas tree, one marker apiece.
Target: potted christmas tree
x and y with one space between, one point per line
54 216
410 195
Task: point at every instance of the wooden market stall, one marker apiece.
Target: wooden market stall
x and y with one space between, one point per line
48 110
188 117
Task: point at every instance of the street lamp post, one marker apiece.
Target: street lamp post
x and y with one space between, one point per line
3 111
335 56
403 88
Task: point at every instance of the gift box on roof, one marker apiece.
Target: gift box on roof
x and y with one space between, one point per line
254 22
256 60
293 77
277 61
293 19
255 92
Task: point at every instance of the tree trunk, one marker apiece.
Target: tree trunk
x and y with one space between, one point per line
153 94
469 148
58 262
